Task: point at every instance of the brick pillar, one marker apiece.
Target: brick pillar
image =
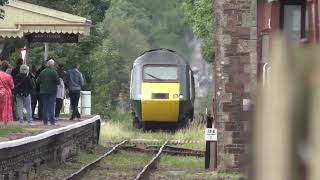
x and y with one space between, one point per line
236 78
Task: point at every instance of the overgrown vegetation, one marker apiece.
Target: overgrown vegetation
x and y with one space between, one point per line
199 13
84 157
2 2
121 31
120 128
10 130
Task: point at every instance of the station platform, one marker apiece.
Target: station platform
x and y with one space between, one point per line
24 148
16 130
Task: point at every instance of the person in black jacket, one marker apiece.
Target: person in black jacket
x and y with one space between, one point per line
32 75
22 90
38 95
16 70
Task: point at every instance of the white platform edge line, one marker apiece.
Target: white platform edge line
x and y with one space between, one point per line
29 139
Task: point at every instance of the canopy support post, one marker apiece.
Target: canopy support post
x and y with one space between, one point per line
46 48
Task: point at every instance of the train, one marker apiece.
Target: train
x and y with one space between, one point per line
161 89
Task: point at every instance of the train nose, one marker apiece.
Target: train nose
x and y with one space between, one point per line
160 110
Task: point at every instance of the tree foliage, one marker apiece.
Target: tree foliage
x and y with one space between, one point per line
159 23
199 13
2 2
122 30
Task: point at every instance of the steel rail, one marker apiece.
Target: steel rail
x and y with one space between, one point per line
159 142
145 172
84 169
169 151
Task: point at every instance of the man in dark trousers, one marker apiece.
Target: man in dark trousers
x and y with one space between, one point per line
48 81
74 82
38 95
32 75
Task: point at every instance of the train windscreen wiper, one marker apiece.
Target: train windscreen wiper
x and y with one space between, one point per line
154 77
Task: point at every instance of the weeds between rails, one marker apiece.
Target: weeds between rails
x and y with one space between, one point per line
150 167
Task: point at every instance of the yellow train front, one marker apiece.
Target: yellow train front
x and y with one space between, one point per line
162 89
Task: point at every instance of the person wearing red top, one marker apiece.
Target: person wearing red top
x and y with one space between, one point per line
6 86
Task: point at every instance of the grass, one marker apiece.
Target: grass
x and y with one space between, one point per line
85 157
120 128
126 160
10 130
214 176
179 162
192 167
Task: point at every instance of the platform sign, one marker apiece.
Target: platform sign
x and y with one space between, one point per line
23 52
211 134
52 37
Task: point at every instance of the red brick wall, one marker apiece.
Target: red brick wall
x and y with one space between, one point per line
236 78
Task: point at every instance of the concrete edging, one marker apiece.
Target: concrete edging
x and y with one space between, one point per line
29 139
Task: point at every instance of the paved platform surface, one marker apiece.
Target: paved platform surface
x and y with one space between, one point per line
16 130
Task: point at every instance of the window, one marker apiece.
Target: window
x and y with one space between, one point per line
265 48
294 20
160 73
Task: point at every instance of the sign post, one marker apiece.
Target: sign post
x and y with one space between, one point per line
211 138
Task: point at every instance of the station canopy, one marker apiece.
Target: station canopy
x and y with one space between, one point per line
41 24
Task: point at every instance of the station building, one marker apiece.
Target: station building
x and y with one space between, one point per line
244 30
36 24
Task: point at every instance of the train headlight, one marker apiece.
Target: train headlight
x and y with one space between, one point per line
146 96
181 96
143 96
175 96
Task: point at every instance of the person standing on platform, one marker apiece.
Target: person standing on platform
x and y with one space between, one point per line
38 95
6 86
24 85
60 96
61 72
48 81
16 70
32 75
74 82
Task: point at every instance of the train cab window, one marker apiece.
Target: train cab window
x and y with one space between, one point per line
294 20
135 81
160 73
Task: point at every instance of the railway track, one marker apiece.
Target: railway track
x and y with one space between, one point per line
159 142
152 165
84 169
143 173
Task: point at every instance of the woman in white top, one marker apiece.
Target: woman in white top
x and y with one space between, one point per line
59 98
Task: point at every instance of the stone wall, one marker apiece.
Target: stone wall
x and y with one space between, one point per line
236 78
22 157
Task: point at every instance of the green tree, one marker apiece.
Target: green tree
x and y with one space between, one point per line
128 40
2 3
110 77
199 13
160 22
121 31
